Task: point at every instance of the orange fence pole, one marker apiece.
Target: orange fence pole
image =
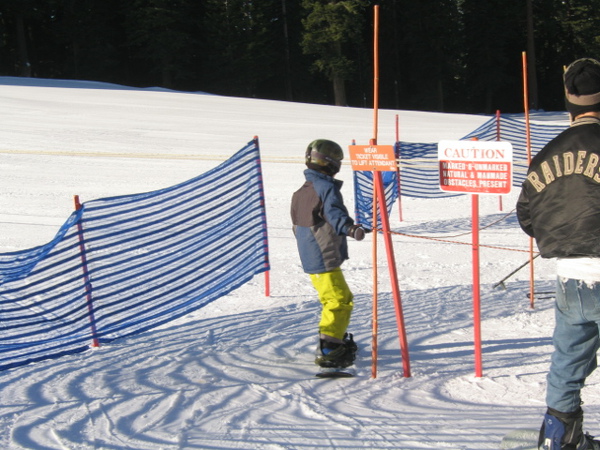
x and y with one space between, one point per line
528 146
498 138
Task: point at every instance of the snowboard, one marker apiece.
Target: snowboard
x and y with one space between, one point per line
521 439
335 372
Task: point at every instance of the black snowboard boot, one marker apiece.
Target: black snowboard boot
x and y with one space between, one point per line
564 431
333 354
350 345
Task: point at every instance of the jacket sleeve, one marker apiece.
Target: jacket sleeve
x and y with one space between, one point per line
524 213
335 211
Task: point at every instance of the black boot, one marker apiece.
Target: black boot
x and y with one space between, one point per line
564 431
350 345
334 354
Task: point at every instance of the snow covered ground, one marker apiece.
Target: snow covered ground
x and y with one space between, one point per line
239 373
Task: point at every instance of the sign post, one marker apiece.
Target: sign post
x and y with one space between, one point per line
476 167
378 158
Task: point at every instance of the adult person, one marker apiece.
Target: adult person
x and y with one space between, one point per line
559 205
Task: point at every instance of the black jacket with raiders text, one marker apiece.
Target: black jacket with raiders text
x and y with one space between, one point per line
559 204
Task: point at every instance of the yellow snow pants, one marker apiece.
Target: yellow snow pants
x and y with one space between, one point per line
336 299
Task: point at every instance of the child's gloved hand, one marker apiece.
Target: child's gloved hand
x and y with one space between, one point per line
357 232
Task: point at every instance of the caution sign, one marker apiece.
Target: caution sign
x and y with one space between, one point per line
479 167
373 157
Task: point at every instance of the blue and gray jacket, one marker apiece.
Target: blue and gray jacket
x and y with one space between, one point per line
320 223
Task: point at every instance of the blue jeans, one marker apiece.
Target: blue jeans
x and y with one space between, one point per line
576 341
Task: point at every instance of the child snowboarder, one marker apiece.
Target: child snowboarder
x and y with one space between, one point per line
321 223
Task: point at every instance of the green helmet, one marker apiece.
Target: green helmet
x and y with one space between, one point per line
325 156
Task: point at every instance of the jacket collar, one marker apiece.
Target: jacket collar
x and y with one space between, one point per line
586 120
311 175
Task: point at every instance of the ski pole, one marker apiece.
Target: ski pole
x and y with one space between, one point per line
501 282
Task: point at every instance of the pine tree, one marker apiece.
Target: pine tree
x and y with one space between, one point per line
331 27
245 40
421 53
495 37
160 36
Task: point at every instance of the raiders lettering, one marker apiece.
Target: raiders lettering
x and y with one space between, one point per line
569 163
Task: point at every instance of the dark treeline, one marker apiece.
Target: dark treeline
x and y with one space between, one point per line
435 55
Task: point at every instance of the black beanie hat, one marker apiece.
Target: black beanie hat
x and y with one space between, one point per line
582 86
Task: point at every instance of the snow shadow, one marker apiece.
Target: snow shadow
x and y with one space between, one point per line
500 221
248 379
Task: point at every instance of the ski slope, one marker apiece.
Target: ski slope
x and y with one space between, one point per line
239 373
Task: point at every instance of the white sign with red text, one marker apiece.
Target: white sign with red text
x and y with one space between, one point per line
478 167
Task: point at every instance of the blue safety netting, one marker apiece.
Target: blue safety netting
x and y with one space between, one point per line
513 130
418 174
122 265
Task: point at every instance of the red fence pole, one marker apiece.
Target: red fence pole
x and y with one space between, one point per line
264 213
387 236
86 277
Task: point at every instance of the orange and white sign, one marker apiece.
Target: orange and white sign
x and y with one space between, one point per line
373 157
479 167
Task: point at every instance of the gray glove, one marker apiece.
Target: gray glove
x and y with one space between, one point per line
357 232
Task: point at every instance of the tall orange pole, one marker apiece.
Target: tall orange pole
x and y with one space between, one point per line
528 148
374 142
498 138
375 74
379 198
